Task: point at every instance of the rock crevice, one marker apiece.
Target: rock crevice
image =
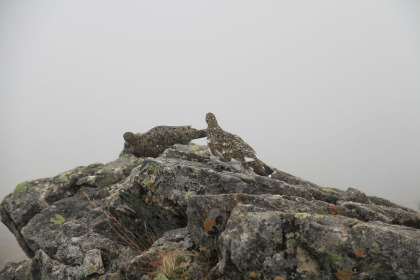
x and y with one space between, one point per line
225 224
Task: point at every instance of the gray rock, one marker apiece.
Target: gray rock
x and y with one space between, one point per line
268 244
214 221
93 262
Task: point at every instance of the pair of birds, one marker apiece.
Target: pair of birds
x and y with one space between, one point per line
225 147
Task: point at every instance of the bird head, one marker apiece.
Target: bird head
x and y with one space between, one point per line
128 136
211 120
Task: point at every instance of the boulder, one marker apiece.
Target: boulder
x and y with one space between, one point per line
184 216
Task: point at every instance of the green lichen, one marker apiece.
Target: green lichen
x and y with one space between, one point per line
290 243
194 147
332 257
330 190
108 167
367 268
375 248
58 220
20 188
107 181
302 216
123 153
153 168
66 175
136 160
278 238
145 181
188 194
161 276
196 170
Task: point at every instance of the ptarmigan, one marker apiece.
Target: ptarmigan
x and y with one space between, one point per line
158 139
229 148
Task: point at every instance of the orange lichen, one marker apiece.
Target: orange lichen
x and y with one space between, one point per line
334 210
209 223
254 274
360 252
233 211
278 278
345 274
231 214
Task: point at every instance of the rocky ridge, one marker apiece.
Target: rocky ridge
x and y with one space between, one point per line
210 222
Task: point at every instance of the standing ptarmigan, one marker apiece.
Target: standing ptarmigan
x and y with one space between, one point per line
158 139
231 149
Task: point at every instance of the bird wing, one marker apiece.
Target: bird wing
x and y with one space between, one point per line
237 148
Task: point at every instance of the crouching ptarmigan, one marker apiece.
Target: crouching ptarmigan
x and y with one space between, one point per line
229 148
158 139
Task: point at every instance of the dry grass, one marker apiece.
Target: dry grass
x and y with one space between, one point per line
175 264
171 260
132 240
172 263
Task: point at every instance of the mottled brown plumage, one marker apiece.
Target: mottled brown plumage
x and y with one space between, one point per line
158 139
231 149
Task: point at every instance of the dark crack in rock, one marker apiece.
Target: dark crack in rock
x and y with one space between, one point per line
217 223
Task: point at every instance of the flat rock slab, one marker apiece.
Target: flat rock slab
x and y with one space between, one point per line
245 226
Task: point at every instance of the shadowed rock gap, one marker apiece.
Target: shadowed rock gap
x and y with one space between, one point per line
243 226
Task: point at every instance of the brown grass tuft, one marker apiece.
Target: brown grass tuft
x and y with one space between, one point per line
173 263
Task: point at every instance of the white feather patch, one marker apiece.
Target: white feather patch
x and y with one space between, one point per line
247 159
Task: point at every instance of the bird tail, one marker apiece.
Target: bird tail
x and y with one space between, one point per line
268 169
260 168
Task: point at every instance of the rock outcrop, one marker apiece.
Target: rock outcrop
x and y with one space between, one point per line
184 216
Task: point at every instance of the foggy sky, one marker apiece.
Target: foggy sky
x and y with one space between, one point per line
326 90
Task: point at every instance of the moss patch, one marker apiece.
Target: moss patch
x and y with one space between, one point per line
188 194
145 181
108 167
107 181
332 257
161 276
291 243
302 216
330 190
66 175
20 188
376 249
153 168
194 147
278 238
58 220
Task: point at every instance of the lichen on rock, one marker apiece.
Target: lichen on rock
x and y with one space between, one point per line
215 222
